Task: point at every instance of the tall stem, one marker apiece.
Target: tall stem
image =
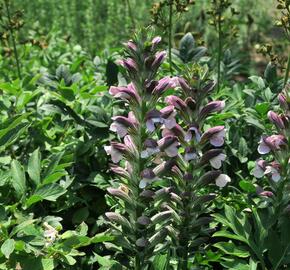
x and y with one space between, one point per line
287 71
219 51
131 13
13 38
139 258
170 35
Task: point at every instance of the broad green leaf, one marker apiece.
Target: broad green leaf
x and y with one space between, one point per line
18 178
48 192
161 262
229 235
231 249
53 164
102 237
247 186
34 167
47 264
54 177
21 226
262 108
8 247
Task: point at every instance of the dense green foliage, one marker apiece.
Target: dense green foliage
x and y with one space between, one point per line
58 61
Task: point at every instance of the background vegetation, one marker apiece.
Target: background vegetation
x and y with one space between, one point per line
58 60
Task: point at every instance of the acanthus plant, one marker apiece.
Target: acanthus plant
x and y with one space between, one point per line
137 220
261 231
276 147
196 166
159 146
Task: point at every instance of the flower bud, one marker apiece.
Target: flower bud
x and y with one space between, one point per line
193 130
117 218
142 242
143 220
121 124
129 64
131 45
214 106
266 193
276 120
159 58
184 85
155 41
177 102
158 237
160 217
147 194
120 171
283 102
120 194
128 93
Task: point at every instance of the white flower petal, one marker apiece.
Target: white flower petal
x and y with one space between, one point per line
222 180
263 149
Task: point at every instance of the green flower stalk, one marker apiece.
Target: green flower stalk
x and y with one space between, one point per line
137 220
197 166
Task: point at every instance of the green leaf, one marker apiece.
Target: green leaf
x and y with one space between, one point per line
34 167
47 264
270 73
102 237
186 44
48 192
21 226
18 178
247 186
262 108
229 235
53 165
231 249
8 247
161 262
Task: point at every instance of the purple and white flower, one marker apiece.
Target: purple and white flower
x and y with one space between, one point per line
121 124
169 145
274 171
259 169
216 162
168 114
215 135
151 148
271 143
147 177
127 93
152 118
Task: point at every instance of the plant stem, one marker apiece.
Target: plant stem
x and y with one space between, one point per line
131 13
13 38
219 51
170 35
139 257
287 71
